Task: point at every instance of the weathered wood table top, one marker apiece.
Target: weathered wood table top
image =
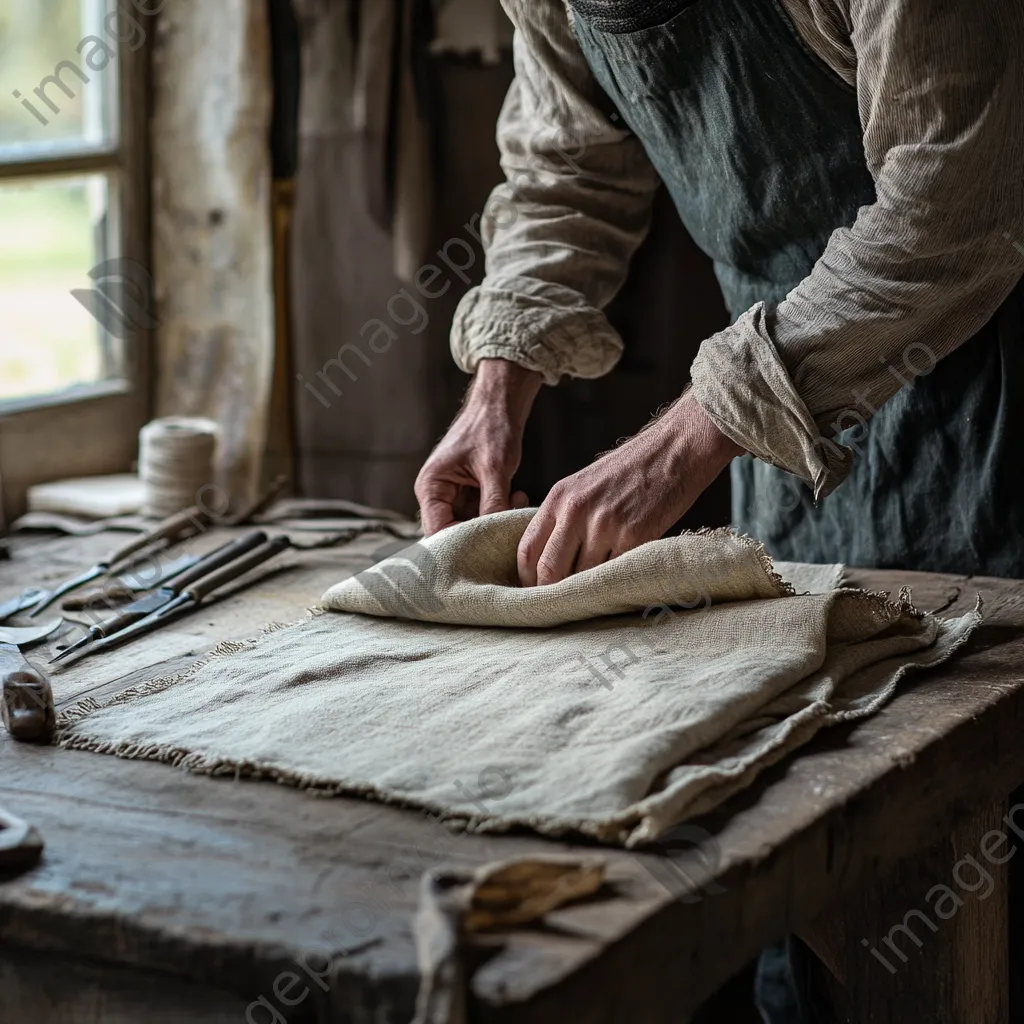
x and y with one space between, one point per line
164 896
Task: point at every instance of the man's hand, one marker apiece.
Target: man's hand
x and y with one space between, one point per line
627 497
470 472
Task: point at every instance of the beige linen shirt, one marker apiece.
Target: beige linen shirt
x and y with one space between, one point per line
940 88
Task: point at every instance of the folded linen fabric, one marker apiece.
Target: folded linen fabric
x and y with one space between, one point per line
615 704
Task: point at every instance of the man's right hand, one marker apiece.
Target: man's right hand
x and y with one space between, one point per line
470 472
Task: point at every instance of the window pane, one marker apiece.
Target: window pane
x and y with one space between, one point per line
58 70
52 234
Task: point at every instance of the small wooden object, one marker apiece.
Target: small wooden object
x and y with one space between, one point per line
27 704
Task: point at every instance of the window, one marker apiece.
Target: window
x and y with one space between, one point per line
76 313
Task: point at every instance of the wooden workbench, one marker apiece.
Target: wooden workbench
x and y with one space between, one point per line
165 897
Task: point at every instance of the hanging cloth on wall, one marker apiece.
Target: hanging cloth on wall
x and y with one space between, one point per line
393 105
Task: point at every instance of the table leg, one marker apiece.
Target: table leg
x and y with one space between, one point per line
929 941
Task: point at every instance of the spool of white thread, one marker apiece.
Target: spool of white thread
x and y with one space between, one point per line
176 463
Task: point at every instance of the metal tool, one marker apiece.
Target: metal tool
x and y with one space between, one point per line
138 582
126 587
172 529
26 700
138 610
26 636
189 598
26 599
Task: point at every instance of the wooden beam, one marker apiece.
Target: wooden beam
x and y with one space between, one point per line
212 228
930 940
28 162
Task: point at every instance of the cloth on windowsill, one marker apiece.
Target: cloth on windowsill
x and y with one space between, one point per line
613 704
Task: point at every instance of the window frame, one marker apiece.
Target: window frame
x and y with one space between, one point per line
41 436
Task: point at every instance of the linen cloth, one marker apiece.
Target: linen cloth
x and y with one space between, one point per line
614 704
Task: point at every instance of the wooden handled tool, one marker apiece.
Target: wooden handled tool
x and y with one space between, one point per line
196 592
188 597
138 610
171 529
27 699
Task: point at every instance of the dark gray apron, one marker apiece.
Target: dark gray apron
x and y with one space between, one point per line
760 145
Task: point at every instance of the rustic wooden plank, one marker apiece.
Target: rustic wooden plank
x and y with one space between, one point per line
60 990
225 883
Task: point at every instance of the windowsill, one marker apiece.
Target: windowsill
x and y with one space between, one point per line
70 396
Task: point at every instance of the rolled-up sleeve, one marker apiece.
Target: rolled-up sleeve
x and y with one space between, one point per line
921 270
559 233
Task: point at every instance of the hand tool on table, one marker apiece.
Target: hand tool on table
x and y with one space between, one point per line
189 598
26 599
26 700
172 529
138 610
126 587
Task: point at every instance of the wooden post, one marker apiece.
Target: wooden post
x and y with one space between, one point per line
928 942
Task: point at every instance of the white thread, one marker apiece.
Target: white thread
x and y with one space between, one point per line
176 462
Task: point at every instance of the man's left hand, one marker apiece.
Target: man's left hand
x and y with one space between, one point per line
626 497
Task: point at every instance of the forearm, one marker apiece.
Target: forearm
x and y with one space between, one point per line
695 450
506 388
